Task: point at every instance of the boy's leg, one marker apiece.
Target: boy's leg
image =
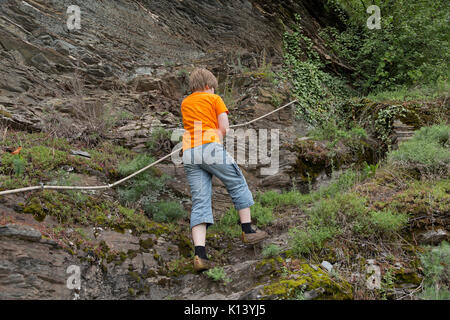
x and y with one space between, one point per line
245 215
201 191
199 235
201 214
231 175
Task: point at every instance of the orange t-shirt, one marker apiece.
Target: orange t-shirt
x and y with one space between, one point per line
200 111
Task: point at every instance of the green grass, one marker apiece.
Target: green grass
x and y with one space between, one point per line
279 200
304 242
343 215
262 216
229 223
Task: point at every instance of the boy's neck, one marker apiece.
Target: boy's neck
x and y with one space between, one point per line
206 90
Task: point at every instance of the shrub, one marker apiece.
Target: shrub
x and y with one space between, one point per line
439 134
19 165
270 251
316 90
436 268
145 186
306 241
165 211
382 223
218 274
342 183
278 200
343 215
159 141
262 215
426 152
410 48
229 223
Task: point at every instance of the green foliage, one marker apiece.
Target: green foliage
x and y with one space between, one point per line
144 187
303 242
387 284
279 200
169 211
218 274
19 165
271 251
229 223
369 170
346 215
341 184
420 92
353 138
263 216
227 93
159 140
426 152
331 132
412 46
316 90
294 198
436 268
439 134
381 222
384 120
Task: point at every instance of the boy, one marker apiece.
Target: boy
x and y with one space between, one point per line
205 120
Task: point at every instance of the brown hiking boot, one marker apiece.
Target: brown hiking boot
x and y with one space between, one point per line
253 238
202 264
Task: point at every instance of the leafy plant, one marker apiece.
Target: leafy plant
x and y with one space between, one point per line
270 251
165 211
436 266
262 215
19 166
316 90
159 141
143 188
410 48
425 152
218 274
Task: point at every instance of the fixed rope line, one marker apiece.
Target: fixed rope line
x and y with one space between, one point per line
109 186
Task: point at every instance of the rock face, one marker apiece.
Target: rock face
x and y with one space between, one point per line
145 46
29 267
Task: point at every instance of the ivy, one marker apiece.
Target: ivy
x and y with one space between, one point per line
317 91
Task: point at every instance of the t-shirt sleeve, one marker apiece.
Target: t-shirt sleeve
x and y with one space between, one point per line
220 106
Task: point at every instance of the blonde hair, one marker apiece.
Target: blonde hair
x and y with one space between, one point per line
200 78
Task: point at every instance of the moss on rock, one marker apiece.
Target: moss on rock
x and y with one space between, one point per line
308 278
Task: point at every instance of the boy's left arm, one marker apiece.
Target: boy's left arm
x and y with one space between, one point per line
224 125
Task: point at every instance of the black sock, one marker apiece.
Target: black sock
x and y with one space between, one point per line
247 228
201 252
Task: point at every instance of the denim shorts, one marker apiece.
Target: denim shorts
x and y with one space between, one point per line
200 164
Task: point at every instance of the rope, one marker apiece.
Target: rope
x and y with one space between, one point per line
108 186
